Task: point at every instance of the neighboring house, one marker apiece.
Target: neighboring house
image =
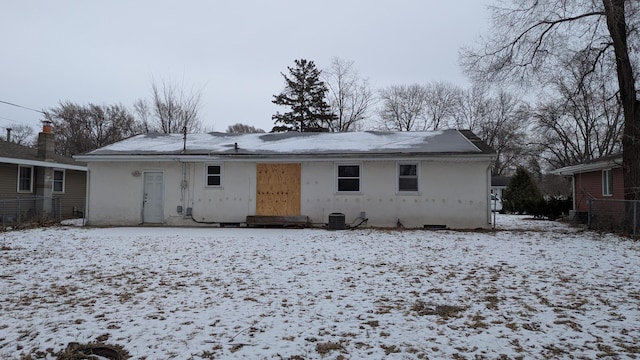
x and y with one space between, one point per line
498 184
410 179
596 179
35 182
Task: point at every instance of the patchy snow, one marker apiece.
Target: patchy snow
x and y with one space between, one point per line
537 289
294 143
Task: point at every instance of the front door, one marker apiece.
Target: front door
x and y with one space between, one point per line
278 189
153 201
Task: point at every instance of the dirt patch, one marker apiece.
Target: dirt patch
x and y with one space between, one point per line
444 311
76 351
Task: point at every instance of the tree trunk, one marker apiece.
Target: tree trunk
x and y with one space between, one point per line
616 23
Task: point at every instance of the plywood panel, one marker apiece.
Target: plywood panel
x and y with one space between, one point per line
278 189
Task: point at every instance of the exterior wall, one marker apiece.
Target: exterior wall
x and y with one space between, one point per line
451 193
229 203
588 185
71 200
8 180
446 195
116 194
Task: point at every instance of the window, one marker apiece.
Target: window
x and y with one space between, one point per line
25 178
607 182
58 181
214 175
348 178
407 177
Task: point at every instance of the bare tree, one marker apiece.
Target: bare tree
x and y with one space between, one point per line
501 120
21 134
173 108
442 98
350 96
402 107
473 108
530 37
82 128
142 110
582 118
243 129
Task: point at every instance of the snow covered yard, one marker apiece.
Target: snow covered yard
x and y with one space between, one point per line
534 289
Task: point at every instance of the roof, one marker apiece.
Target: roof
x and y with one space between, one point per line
500 180
605 162
13 153
295 144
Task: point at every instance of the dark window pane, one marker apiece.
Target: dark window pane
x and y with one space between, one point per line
213 170
213 180
408 184
25 179
348 184
408 170
348 171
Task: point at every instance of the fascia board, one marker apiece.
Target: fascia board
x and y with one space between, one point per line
280 158
581 168
42 164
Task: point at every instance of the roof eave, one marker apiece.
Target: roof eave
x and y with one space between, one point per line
262 157
581 168
42 164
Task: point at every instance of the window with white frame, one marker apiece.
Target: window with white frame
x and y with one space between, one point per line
214 175
407 177
349 177
25 178
607 182
58 180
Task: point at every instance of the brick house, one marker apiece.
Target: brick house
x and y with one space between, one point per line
597 179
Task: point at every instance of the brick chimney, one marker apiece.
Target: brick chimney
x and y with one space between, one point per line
9 134
46 142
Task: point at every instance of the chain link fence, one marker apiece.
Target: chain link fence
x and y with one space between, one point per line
620 216
21 210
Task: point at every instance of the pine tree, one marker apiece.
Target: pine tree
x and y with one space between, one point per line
305 94
522 194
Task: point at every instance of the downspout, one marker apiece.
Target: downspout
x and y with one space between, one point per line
86 196
488 195
184 184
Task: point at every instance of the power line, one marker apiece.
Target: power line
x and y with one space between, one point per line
13 121
23 107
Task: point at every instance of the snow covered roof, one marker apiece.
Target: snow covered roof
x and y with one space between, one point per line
312 144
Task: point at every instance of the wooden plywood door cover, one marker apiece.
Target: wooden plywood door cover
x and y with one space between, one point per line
278 189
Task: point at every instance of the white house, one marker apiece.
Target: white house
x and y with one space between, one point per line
413 179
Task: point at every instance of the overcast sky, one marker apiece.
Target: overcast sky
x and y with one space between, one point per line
108 52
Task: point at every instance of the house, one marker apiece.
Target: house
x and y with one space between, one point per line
410 179
36 182
598 179
499 184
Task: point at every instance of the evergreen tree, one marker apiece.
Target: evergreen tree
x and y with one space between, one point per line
305 94
522 194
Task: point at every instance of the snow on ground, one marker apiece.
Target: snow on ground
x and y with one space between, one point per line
532 289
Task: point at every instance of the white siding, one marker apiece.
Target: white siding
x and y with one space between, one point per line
451 192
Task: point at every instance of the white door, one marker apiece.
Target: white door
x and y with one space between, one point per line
152 203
